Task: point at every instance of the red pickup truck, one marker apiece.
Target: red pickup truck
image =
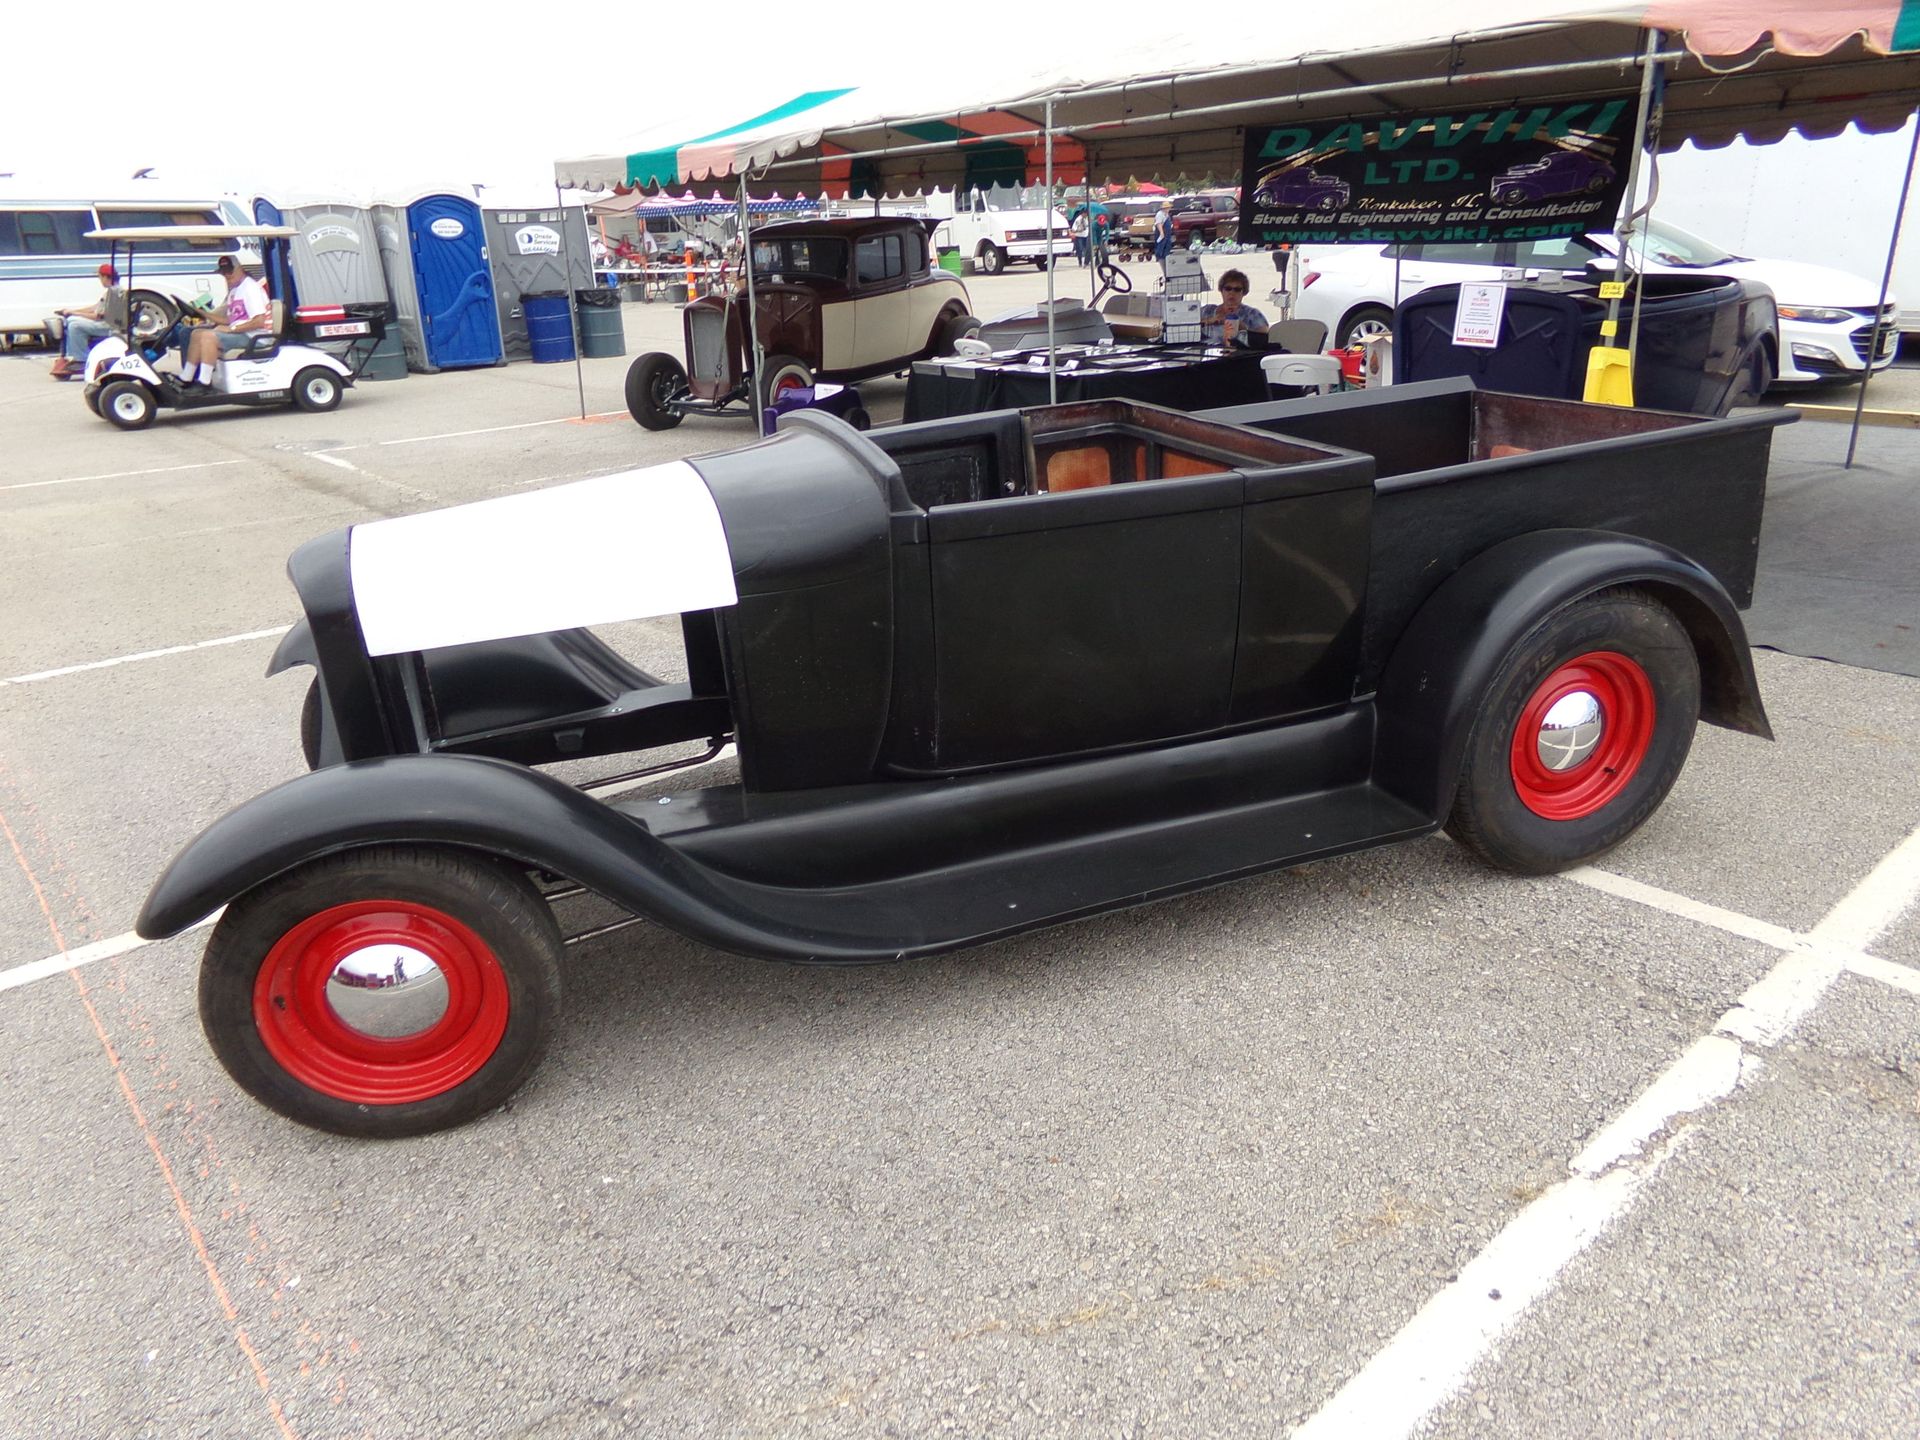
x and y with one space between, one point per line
1214 215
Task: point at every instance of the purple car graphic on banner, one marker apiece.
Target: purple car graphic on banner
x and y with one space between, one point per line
1305 189
1565 172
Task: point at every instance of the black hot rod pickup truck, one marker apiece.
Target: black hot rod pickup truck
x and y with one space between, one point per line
982 675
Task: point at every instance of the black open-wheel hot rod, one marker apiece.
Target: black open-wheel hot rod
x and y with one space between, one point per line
982 675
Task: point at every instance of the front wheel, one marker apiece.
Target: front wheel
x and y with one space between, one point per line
992 259
128 404
383 992
653 382
316 390
1584 730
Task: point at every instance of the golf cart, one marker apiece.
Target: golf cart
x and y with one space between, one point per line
124 384
836 300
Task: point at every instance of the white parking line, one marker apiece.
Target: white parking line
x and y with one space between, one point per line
461 434
1434 1353
122 474
325 459
86 955
142 655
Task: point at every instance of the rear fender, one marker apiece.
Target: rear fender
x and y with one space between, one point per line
1441 670
489 806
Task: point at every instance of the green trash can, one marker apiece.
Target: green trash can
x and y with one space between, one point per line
951 261
601 333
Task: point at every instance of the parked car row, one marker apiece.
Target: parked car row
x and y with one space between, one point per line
1826 316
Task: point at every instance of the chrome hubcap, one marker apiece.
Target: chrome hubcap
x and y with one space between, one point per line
387 991
1570 730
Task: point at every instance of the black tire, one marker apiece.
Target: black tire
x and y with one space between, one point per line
317 390
92 396
1518 812
780 372
992 260
499 965
1329 203
652 382
952 331
859 419
152 315
127 404
1364 320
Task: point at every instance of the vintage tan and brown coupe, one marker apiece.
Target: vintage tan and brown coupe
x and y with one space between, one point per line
834 300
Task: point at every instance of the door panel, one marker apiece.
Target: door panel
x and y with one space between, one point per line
457 312
1084 620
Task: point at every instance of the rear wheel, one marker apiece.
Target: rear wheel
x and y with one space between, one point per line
780 373
953 330
385 991
316 390
1364 323
1586 727
652 382
128 404
152 315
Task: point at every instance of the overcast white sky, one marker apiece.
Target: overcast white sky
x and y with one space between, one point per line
346 93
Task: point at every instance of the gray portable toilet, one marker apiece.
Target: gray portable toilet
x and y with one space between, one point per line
534 250
335 257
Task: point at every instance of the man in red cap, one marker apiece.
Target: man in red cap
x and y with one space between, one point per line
102 318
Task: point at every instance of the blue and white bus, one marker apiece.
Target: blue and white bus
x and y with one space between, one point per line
47 262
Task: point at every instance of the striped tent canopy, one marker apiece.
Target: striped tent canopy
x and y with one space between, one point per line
1140 104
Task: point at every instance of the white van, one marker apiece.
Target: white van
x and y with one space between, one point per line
47 263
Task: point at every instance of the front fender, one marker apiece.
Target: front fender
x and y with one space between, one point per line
497 808
1437 679
295 648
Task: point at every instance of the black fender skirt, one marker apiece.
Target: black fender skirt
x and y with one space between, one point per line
1438 676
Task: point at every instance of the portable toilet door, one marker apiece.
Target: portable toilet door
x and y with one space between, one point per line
334 260
280 283
455 288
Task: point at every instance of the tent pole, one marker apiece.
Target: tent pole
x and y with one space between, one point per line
753 325
566 279
1053 378
1623 232
1880 307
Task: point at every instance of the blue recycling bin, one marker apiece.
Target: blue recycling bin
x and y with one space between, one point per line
549 326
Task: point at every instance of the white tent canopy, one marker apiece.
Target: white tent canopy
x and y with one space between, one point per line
1165 104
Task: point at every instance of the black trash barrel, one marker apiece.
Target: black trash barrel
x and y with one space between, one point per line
601 333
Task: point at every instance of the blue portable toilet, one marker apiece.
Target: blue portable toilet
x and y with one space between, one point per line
434 248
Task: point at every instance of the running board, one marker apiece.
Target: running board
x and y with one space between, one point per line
1006 893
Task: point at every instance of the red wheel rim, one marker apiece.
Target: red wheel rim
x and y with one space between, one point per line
1624 697
789 381
304 1032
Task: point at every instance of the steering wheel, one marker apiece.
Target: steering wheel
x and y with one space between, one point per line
1112 277
187 307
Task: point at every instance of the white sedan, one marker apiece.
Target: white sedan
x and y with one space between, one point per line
1826 316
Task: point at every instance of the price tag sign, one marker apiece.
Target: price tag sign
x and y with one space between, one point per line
1613 289
1476 320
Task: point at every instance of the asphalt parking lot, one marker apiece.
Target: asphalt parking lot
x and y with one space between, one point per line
1391 1144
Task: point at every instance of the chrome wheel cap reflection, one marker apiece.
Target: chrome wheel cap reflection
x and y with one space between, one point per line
387 991
1570 730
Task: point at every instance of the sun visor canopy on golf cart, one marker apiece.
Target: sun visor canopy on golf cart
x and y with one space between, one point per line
617 547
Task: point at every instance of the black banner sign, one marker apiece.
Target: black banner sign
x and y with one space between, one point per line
1519 173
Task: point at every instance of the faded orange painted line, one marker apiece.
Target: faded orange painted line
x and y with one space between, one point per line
180 1202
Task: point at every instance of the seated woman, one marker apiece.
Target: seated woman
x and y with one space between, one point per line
1230 322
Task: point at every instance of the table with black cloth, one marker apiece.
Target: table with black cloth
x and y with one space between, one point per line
1180 377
